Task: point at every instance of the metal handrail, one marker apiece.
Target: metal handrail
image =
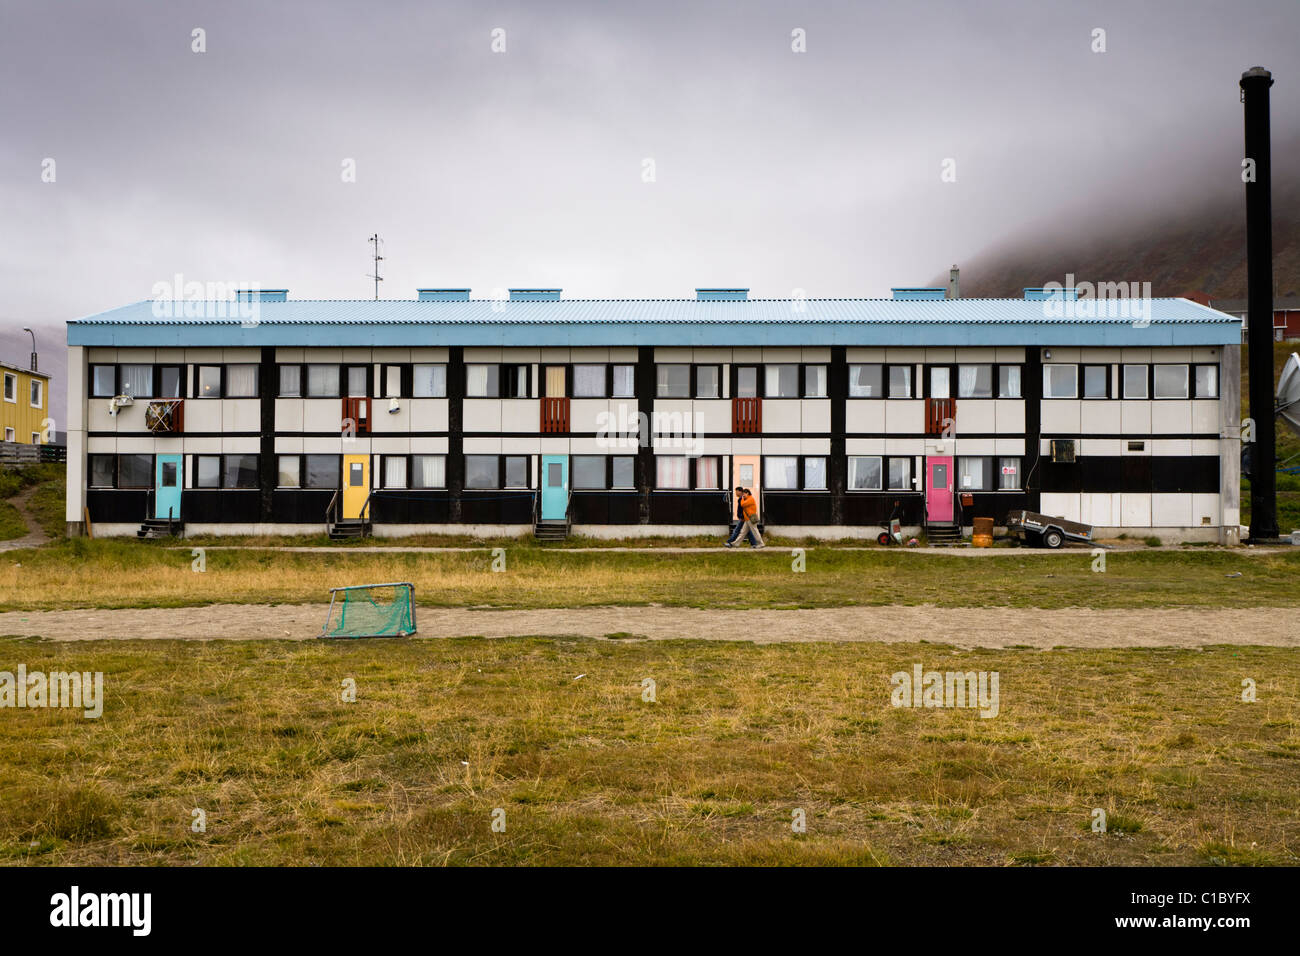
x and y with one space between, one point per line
329 510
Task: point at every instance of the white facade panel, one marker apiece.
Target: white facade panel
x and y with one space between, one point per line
1009 446
864 415
1098 417
1171 416
1009 415
1136 510
814 446
1061 417
1135 417
864 446
429 445
976 415
1205 511
816 415
482 445
289 415
204 415
781 446
241 414
483 415
904 415
1060 504
782 415
1171 510
521 415
1205 417
711 416
318 415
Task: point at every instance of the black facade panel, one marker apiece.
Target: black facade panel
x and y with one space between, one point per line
797 508
874 508
688 507
410 507
111 504
242 505
995 505
299 506
1198 475
606 507
496 507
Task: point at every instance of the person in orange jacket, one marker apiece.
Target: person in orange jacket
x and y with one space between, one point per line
747 513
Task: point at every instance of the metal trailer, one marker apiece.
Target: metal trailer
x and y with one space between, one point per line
1048 530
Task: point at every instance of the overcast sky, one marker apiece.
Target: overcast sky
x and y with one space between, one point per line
772 169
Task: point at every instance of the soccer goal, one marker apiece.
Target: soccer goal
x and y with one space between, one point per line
371 610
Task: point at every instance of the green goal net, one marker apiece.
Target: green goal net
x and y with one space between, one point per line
371 610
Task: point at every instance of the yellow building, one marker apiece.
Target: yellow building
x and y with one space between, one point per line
25 409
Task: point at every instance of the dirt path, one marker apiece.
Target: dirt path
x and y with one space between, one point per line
35 536
964 627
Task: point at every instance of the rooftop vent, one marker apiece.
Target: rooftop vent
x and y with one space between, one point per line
1041 293
443 295
262 295
722 295
919 292
534 295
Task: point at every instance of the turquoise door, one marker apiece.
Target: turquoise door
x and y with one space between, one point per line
555 487
167 487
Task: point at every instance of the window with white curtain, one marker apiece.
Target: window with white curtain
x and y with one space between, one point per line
394 471
746 381
973 473
900 474
1009 381
1008 474
900 381
866 381
290 381
707 381
974 381
103 379
392 381
1171 381
429 381
289 474
137 380
814 474
782 381
357 381
482 471
706 472
864 473
814 381
671 471
1207 381
940 382
322 381
781 473
624 381
428 471
674 381
588 381
1060 381
241 381
481 381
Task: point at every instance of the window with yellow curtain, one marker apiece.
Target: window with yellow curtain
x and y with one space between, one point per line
555 381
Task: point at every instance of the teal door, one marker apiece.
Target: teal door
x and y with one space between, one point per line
167 487
555 487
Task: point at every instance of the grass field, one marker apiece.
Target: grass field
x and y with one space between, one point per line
127 573
557 735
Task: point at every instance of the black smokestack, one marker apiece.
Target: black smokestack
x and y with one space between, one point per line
1255 83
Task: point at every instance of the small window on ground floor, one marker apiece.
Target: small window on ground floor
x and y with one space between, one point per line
428 471
482 471
289 474
589 471
516 471
394 471
781 473
134 471
864 473
900 474
322 471
207 471
240 471
624 472
101 471
1008 474
672 471
973 473
814 474
708 474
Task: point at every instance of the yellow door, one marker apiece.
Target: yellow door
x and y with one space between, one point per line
745 473
356 484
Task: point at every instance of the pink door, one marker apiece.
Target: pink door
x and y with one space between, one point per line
938 490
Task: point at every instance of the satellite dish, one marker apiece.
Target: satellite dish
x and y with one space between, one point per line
1288 393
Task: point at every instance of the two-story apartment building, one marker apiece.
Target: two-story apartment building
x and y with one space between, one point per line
635 416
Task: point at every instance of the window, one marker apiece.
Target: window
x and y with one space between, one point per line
781 474
288 471
624 472
1171 381
514 381
746 381
671 471
900 474
9 434
429 381
134 471
1096 381
394 471
588 471
241 381
1207 381
11 387
37 396
392 381
707 472
36 438
865 381
588 381
973 473
209 381
207 471
137 380
1008 474
708 381
814 381
1135 381
864 474
290 381
516 471
482 381
170 382
940 386
322 381
1060 381
974 381
103 381
624 381
357 381
428 471
900 381
240 472
1008 381
814 474
482 471
782 381
323 471
101 471
673 381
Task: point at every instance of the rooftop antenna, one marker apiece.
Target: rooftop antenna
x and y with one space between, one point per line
377 242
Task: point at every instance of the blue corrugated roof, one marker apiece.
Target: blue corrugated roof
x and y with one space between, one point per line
368 322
